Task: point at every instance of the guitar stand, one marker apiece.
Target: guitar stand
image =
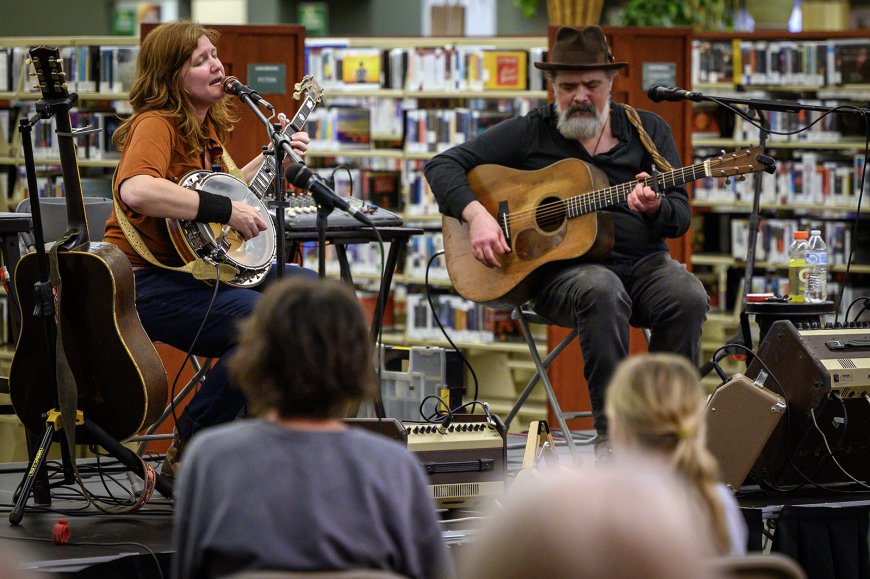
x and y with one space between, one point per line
54 426
35 479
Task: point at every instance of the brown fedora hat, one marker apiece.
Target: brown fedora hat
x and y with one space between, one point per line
580 49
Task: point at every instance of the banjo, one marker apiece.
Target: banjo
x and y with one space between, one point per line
219 244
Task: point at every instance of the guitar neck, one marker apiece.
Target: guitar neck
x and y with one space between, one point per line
267 171
75 203
610 196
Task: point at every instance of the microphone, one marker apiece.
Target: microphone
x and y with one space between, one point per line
232 86
658 93
302 177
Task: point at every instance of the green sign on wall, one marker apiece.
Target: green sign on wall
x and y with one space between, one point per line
268 78
314 16
124 22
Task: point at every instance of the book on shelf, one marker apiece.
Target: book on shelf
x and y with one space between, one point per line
854 63
7 83
360 68
505 69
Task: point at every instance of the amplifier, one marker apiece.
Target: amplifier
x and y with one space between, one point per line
466 462
822 372
845 354
740 417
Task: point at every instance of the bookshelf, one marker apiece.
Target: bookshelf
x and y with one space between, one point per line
818 173
99 70
421 96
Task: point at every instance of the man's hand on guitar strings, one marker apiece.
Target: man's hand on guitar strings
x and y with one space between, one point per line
642 198
487 239
247 220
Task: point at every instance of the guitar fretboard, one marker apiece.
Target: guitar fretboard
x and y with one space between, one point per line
266 174
602 198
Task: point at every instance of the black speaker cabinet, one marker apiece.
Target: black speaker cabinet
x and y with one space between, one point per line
796 452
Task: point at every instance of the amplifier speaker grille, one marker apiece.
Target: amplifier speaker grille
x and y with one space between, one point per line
455 490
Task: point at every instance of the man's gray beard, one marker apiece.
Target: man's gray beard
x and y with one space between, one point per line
582 127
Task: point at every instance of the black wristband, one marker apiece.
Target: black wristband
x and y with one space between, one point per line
213 208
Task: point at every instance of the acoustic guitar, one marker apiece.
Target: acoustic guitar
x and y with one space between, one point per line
121 382
552 215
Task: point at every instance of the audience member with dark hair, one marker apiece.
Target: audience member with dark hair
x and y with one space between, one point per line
296 489
655 407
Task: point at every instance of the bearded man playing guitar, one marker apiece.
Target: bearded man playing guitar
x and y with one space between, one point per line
181 115
638 284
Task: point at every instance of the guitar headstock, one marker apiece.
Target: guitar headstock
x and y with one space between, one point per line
309 87
739 162
48 69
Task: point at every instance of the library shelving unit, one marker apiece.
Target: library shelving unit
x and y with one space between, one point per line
389 105
818 172
425 114
98 69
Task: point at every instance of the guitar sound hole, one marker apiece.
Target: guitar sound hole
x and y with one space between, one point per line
550 214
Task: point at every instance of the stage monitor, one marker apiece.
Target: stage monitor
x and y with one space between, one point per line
824 376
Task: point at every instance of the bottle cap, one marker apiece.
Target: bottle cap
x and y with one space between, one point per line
801 235
816 232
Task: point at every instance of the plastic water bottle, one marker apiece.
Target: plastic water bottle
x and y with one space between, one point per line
797 267
817 268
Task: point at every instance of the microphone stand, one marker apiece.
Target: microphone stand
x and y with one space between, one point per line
324 208
280 203
756 107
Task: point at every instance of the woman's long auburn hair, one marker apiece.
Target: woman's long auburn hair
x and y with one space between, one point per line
657 401
159 85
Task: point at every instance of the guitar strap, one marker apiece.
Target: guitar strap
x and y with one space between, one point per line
647 141
198 268
67 391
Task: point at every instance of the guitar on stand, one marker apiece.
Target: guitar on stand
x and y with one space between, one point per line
83 366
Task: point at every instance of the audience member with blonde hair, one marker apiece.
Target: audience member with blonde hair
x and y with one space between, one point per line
626 520
655 407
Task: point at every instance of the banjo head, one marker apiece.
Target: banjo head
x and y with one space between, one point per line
254 254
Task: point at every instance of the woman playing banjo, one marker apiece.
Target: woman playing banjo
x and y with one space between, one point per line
181 115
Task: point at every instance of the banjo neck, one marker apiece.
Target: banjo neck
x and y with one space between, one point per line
267 171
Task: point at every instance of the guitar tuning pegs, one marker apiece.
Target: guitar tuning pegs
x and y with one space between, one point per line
296 95
65 86
741 178
727 180
297 86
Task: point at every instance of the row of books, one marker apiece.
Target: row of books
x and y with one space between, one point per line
418 130
94 141
819 127
811 63
463 320
775 236
810 179
421 200
447 68
103 69
380 187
